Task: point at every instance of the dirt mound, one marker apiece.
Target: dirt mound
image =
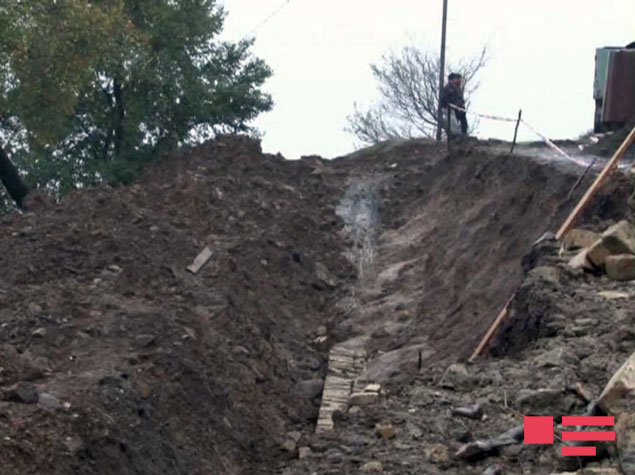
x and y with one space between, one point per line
117 360
142 367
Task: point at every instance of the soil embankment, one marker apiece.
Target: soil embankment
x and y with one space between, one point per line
116 360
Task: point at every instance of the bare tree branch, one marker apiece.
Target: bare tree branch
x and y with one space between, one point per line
409 93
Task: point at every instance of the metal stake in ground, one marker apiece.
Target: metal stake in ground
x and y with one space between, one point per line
520 115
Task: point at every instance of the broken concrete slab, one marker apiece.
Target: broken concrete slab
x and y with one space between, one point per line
618 239
579 239
618 395
620 267
622 232
581 261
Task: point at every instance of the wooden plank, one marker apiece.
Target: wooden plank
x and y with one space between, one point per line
561 232
200 260
490 333
596 185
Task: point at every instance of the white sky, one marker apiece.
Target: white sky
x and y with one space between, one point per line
541 60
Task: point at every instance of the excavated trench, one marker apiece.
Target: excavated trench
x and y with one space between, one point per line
440 243
150 369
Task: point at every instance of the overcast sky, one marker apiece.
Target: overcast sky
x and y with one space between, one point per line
541 60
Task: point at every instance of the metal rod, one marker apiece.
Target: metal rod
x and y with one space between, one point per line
442 68
520 114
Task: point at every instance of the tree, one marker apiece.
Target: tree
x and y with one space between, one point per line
91 89
408 83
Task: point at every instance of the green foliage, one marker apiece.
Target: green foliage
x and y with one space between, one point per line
91 89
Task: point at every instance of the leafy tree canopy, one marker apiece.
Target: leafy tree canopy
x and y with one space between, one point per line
90 89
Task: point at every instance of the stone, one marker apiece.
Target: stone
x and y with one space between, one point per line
620 267
22 392
625 440
456 377
372 467
493 470
40 332
385 431
295 435
618 395
618 239
321 330
304 452
623 232
324 276
613 295
558 357
414 430
114 269
322 343
547 274
438 453
473 412
48 400
34 309
539 401
289 445
372 388
309 388
363 399
581 261
472 449
145 391
579 238
73 444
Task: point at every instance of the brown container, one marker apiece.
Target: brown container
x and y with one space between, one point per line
619 103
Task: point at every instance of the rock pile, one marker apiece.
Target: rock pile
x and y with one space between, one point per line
613 252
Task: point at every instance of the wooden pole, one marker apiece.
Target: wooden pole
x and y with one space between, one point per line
596 185
563 230
490 333
442 68
520 114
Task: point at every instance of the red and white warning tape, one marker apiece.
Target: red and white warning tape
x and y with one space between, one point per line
484 116
555 147
543 137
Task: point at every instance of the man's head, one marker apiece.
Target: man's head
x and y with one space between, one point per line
455 79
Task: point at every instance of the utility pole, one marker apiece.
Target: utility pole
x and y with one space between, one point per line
442 67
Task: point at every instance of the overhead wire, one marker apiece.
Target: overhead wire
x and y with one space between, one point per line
267 19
